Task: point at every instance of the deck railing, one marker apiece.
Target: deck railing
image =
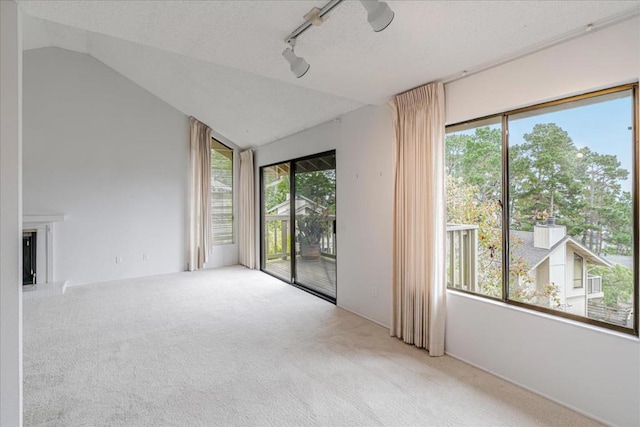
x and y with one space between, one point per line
594 284
462 256
278 242
622 316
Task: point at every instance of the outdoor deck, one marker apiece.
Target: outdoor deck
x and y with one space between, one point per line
319 275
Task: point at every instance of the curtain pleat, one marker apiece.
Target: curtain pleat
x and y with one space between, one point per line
199 194
246 223
419 219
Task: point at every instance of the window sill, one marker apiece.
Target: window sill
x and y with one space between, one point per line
220 245
533 313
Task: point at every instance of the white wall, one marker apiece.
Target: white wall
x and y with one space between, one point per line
363 141
594 371
111 156
589 369
10 214
598 60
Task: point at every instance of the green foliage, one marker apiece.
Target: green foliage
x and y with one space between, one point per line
607 210
318 186
312 227
476 158
543 172
277 194
617 284
273 238
465 206
547 295
222 165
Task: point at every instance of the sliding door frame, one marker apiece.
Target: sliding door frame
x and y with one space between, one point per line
292 224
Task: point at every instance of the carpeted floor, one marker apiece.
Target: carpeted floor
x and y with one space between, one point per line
237 347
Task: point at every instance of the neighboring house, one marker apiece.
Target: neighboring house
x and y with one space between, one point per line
553 258
304 206
282 213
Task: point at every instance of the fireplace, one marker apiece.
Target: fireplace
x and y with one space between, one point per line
37 248
37 256
29 257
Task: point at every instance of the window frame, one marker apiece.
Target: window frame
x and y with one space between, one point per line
577 257
233 234
635 188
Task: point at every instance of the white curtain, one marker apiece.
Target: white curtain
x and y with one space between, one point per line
419 219
199 194
246 211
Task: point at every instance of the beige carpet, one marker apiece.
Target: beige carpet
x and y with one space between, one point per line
233 347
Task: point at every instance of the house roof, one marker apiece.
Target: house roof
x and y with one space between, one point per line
532 256
586 253
535 256
301 198
221 62
623 260
219 186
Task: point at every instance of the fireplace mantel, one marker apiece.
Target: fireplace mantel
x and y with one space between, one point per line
46 218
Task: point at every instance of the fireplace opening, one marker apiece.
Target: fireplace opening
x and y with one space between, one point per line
29 257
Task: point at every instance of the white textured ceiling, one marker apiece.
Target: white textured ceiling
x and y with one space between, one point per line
221 60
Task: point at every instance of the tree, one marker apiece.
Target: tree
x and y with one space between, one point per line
464 207
617 284
477 159
605 209
620 227
318 186
542 176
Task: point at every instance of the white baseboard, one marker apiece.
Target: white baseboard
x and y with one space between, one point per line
43 290
363 316
566 405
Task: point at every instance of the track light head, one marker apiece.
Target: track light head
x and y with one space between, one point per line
379 14
298 65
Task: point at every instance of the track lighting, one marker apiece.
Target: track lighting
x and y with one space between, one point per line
379 14
299 66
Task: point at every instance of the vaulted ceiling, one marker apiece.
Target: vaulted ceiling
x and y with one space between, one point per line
221 62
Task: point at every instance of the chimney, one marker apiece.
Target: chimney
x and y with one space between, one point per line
547 234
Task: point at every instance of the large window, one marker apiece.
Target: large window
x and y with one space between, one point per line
563 178
474 217
221 193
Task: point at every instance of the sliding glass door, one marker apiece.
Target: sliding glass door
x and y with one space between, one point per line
276 221
315 195
299 238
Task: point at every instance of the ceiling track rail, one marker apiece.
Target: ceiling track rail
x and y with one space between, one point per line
305 26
